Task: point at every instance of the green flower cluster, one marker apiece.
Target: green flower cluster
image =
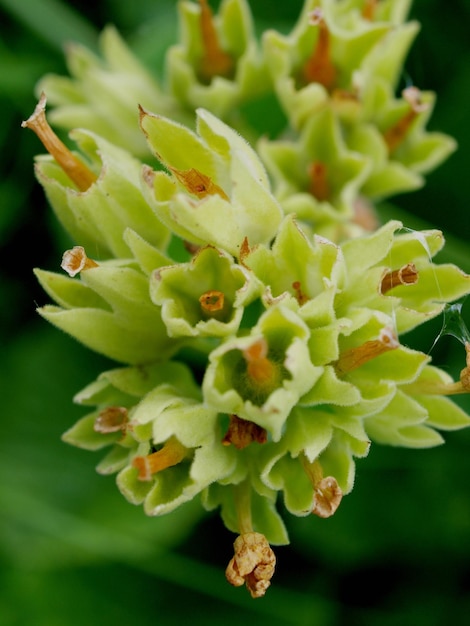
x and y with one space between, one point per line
258 356
347 140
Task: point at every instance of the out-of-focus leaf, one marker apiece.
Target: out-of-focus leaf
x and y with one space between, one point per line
53 21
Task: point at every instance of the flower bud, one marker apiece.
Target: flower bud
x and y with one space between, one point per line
102 93
217 64
223 195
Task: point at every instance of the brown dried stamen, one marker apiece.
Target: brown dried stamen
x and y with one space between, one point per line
397 133
301 297
355 357
406 275
328 494
75 261
242 432
445 389
369 9
327 498
215 61
253 564
198 183
319 187
172 453
75 169
319 67
190 247
244 251
111 420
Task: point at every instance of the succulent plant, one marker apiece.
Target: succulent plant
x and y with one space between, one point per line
257 322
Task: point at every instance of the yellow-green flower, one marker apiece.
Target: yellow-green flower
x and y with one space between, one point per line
260 333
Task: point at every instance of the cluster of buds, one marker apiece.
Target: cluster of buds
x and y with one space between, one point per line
257 356
344 139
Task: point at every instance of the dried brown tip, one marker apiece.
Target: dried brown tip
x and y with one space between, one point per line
406 275
328 496
75 169
242 432
355 357
198 183
301 297
76 260
111 420
327 492
369 9
413 96
192 248
315 17
215 61
253 564
319 187
319 67
397 133
244 251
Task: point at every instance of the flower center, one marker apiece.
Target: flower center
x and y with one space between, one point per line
257 374
260 369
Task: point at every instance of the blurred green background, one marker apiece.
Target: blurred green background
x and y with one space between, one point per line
72 551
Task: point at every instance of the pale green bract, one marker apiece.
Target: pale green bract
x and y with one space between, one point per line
256 317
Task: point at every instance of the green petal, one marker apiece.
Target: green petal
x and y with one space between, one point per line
221 95
68 292
98 217
329 389
226 389
337 460
289 476
178 289
401 424
251 212
102 94
134 490
102 332
116 459
148 256
443 413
